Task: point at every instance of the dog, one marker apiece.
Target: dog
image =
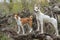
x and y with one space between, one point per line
40 17
21 21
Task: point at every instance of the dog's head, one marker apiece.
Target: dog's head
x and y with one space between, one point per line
36 9
16 16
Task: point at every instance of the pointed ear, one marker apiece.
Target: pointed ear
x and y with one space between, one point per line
39 6
35 5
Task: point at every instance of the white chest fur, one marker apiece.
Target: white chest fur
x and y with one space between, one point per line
18 21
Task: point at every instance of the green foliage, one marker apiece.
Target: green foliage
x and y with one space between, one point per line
15 7
3 37
4 9
18 7
44 3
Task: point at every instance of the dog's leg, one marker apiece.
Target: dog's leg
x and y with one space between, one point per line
30 23
54 22
41 26
22 29
30 28
18 29
38 24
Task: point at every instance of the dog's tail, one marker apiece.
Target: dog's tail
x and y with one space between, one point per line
31 17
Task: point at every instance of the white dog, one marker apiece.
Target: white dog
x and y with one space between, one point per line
42 17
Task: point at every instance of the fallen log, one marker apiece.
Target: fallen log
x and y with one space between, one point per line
30 36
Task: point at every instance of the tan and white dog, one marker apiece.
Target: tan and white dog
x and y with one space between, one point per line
21 21
40 17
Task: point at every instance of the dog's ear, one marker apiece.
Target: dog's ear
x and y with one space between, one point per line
39 6
35 5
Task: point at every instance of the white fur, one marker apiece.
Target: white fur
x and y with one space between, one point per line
19 25
42 17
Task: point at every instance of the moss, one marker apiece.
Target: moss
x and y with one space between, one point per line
3 36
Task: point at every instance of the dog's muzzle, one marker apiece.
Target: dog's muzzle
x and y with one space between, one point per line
35 11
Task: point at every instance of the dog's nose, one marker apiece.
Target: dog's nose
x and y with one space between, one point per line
35 11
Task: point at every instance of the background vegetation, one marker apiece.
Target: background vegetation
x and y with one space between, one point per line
15 6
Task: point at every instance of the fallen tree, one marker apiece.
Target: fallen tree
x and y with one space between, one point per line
30 36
